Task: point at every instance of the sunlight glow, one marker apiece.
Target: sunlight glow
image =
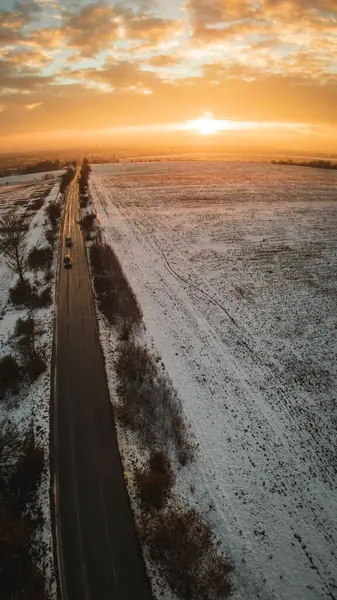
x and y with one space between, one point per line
207 125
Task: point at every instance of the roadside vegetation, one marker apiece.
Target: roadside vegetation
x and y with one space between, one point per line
67 177
175 536
21 545
23 464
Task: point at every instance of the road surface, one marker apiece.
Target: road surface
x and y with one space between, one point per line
98 550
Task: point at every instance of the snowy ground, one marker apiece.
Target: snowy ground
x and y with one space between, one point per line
29 178
32 403
234 265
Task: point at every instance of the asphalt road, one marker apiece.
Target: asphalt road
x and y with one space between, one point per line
98 550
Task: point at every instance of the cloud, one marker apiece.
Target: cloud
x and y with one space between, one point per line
224 19
206 16
18 77
163 60
152 30
92 28
47 37
33 106
298 8
98 26
18 60
122 75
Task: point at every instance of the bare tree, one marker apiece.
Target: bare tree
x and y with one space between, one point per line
13 243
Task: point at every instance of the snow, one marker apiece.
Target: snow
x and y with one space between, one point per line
29 177
234 266
32 404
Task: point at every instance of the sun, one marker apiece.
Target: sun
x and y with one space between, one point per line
205 126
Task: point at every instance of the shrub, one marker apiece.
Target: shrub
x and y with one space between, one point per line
183 544
155 483
88 225
96 255
10 444
25 327
107 306
43 299
84 201
50 236
25 333
40 258
15 535
9 374
35 366
102 284
48 276
53 211
25 480
21 293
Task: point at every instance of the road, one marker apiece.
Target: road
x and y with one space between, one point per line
97 546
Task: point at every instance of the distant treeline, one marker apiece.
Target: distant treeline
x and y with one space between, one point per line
316 164
42 167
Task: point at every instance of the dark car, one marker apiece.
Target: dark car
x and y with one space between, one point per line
69 241
67 262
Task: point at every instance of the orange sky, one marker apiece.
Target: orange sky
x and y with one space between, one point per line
74 71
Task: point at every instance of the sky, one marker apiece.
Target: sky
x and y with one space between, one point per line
73 71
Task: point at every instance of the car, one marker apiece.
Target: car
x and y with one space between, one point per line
69 241
67 263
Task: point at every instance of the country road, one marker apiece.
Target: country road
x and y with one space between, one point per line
99 555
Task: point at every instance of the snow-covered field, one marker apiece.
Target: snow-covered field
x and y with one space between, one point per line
234 265
29 178
32 403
